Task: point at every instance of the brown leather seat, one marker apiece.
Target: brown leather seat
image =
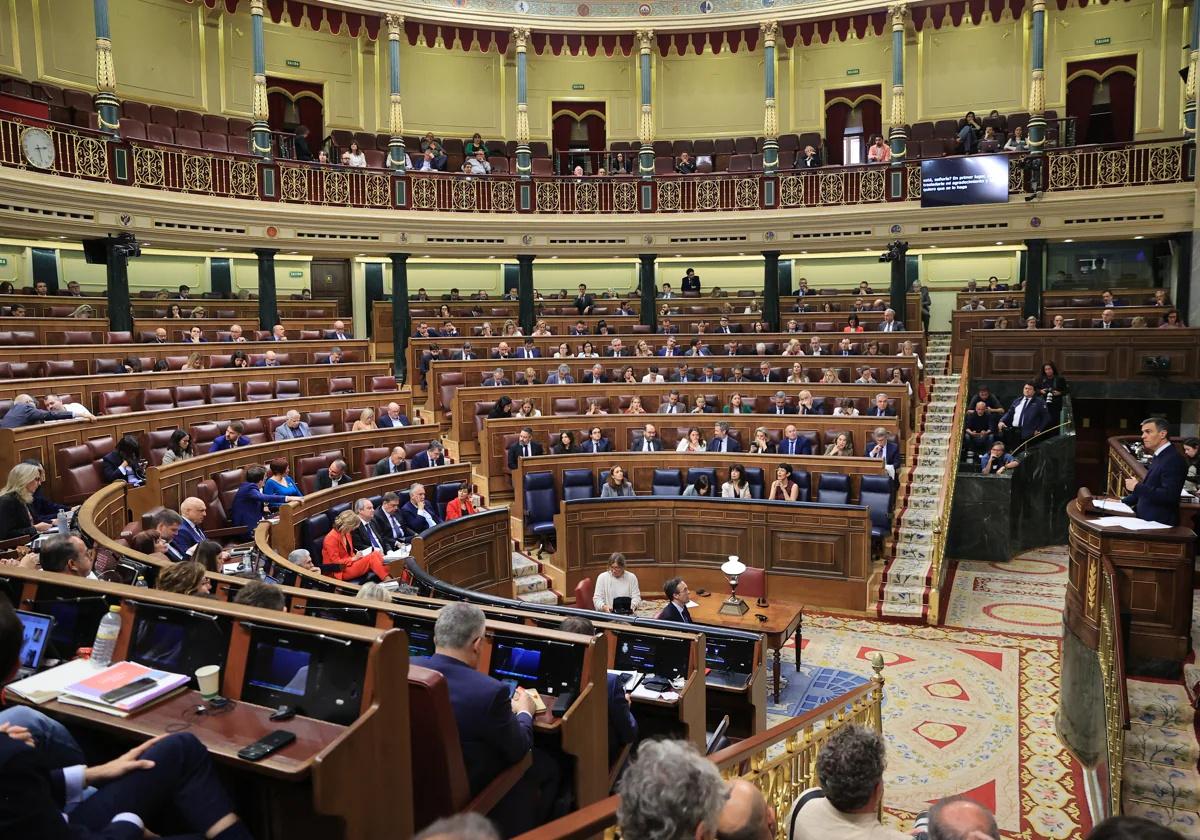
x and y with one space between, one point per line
72 337
222 392
228 482
341 385
157 444
287 389
203 434
442 787
584 592
566 406
448 385
380 384
307 469
255 429
119 337
322 423
157 399
188 396
65 367
482 410
310 335
115 402
216 520
369 457
79 469
257 391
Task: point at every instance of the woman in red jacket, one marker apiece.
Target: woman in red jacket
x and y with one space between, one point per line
461 505
338 557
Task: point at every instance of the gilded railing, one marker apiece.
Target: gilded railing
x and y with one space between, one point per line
941 523
781 762
1110 652
87 154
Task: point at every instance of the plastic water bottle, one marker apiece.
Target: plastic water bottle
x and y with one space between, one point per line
63 522
106 637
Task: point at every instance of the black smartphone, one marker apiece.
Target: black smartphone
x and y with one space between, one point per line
135 687
266 745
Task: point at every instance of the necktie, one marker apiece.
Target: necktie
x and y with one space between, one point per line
527 451
687 616
371 534
395 526
1020 412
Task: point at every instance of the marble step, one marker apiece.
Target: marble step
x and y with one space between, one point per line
902 609
523 566
1186 823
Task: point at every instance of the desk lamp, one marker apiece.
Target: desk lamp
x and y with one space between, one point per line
733 605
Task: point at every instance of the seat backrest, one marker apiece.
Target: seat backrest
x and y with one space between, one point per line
158 399
341 385
322 423
372 455
307 469
381 384
215 516
66 367
287 389
879 508
188 396
259 391
203 434
833 489
665 483
444 494
120 337
752 583
564 406
694 473
115 402
804 482
585 592
313 531
228 482
441 788
218 392
79 473
754 477
541 502
578 484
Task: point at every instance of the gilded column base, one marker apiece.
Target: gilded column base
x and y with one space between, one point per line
1189 119
108 112
898 141
397 157
261 142
1036 131
524 161
646 160
770 152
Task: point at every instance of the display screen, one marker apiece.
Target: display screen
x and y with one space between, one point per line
178 641
735 655
652 655
953 181
280 669
519 663
35 635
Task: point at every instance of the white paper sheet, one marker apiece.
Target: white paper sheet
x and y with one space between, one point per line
1114 505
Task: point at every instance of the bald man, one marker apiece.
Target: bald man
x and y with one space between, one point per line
958 817
193 511
746 815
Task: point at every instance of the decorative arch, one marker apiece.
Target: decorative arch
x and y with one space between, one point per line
839 104
1114 123
291 102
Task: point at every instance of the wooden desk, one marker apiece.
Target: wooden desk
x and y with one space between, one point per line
962 322
1154 583
784 619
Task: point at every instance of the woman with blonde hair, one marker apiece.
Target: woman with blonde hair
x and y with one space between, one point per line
186 578
365 422
193 362
340 560
16 517
372 591
83 311
635 406
199 312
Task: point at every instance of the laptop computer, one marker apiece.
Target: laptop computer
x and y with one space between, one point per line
36 636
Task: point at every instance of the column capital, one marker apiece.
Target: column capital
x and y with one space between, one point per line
256 7
521 37
526 258
769 30
899 15
645 40
394 24
1038 6
265 253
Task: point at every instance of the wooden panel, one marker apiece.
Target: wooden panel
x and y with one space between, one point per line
962 323
300 351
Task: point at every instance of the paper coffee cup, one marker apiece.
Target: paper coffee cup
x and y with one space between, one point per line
209 678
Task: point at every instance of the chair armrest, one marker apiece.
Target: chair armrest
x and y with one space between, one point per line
490 796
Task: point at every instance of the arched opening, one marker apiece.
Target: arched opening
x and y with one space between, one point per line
293 103
853 116
1102 97
579 135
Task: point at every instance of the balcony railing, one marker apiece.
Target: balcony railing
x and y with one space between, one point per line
85 154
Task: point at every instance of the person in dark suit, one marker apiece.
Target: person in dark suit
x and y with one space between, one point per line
726 328
722 441
881 407
622 726
524 447
671 348
392 464
889 322
246 509
884 449
334 475
387 523
392 418
648 441
24 412
498 380
1156 497
365 535
584 301
596 442
792 443
1026 416
665 327
676 590
779 404
809 160
433 456
495 732
595 375
124 463
690 281
232 438
529 351
417 514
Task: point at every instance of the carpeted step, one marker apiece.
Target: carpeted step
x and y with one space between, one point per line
1159 704
1185 822
1162 745
529 584
1168 787
548 598
523 566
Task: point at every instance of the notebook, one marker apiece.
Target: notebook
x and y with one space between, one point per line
87 692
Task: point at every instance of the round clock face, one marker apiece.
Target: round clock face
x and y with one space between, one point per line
38 146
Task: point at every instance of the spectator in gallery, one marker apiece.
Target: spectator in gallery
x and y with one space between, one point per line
690 281
969 133
685 166
979 429
989 144
1017 141
998 461
1191 455
476 144
478 164
1171 321
355 157
300 144
809 160
879 151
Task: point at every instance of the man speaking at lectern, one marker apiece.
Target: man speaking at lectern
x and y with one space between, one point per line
1157 497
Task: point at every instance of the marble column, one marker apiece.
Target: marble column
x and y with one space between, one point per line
770 115
260 130
1035 276
770 310
268 309
645 39
646 284
524 164
1189 108
108 107
525 308
397 158
400 325
1037 88
897 137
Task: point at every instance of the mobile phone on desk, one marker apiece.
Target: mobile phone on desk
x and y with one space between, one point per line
266 745
129 689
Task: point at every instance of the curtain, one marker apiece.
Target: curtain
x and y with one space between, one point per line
1080 92
595 132
836 115
1121 90
872 119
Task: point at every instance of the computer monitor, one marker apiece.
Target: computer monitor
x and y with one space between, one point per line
355 615
645 654
736 655
178 640
420 633
34 638
76 618
552 667
321 676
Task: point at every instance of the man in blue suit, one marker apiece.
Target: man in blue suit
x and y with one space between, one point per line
434 456
494 731
1156 497
392 418
562 376
529 351
233 437
721 440
170 776
246 509
596 442
884 449
793 444
192 510
418 515
1026 416
622 726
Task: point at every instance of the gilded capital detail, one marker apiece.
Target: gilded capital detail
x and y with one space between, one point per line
106 74
645 39
394 24
897 118
256 7
769 29
899 15
521 39
1037 92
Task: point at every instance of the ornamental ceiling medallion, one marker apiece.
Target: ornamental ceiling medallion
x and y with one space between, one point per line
617 8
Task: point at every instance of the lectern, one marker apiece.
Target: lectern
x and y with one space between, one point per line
1154 571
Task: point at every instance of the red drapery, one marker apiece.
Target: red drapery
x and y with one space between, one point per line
308 98
1084 77
1121 92
838 105
836 116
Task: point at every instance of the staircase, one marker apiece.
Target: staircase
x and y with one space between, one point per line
1160 779
906 585
529 584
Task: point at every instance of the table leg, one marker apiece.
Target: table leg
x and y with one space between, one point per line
777 673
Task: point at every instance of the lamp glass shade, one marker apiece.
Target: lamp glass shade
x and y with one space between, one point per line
733 566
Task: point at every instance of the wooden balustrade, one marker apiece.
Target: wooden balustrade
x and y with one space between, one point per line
1077 318
40 306
297 352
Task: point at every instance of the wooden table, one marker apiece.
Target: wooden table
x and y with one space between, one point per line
784 619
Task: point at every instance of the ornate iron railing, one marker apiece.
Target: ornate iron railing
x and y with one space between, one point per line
781 762
86 154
